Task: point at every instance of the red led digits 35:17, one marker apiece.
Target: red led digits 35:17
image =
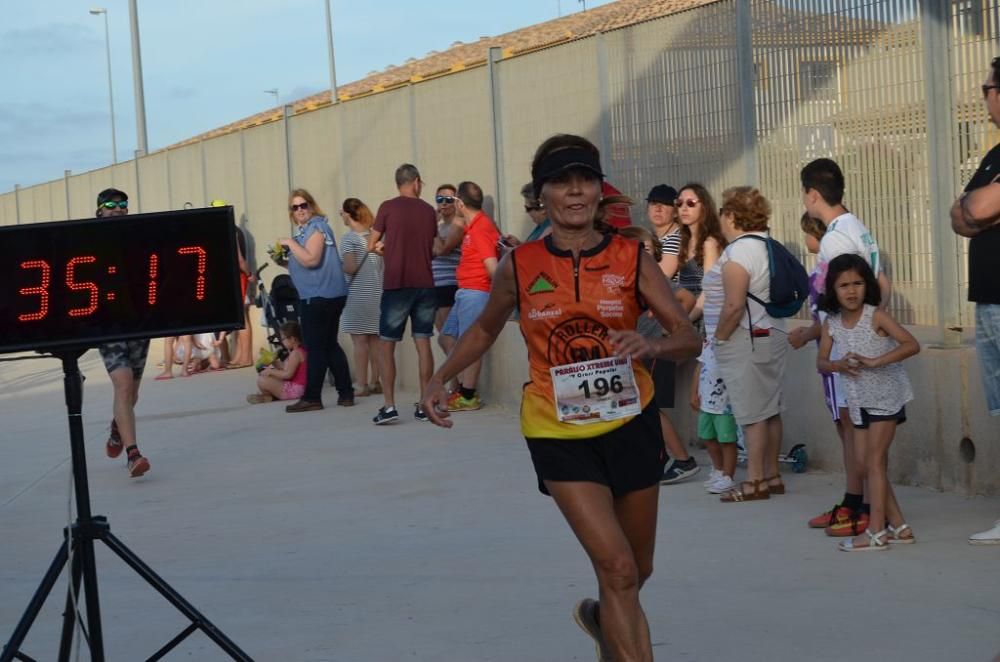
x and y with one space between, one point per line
82 286
41 290
199 288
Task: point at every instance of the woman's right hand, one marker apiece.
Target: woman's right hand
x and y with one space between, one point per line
846 367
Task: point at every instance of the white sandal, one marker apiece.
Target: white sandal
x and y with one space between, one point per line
894 537
876 543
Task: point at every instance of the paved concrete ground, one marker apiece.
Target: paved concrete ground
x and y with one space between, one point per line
318 536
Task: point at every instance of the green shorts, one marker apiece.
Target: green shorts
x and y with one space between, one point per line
717 427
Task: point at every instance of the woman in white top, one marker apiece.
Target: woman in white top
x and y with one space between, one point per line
750 345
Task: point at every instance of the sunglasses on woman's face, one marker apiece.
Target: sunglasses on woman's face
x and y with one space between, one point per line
531 208
303 207
445 199
691 202
112 204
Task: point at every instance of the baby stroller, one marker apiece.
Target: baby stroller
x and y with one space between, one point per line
280 305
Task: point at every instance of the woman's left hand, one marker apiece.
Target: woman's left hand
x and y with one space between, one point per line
630 343
286 242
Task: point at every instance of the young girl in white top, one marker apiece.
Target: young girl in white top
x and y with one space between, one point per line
876 385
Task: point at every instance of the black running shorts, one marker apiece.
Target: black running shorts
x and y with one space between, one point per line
627 459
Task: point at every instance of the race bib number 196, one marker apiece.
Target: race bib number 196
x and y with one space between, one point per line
598 390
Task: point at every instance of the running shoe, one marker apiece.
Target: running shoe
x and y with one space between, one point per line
679 470
723 485
419 414
457 403
824 520
713 476
114 445
987 537
851 523
137 465
385 416
585 613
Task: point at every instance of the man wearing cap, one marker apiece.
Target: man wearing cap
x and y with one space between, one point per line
125 361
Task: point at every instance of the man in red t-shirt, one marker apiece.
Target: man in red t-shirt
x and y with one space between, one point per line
475 277
404 232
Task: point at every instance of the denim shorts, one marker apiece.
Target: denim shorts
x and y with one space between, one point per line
416 303
988 348
468 305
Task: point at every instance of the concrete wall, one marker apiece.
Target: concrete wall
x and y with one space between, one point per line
722 94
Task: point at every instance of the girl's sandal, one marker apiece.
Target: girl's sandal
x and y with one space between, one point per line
362 392
758 493
375 389
775 489
876 543
894 534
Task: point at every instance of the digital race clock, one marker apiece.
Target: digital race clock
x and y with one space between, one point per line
81 283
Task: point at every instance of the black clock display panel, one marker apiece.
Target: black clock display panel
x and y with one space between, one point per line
81 283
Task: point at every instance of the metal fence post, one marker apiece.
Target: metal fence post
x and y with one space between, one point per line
66 175
243 175
745 80
17 203
204 174
604 99
288 144
138 187
499 177
939 103
414 151
170 183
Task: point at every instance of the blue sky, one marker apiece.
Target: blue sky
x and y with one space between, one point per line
205 63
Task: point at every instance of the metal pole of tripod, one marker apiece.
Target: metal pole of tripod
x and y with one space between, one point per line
73 381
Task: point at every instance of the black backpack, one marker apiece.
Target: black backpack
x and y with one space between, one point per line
789 280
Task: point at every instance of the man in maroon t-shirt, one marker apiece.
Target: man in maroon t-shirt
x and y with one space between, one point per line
404 232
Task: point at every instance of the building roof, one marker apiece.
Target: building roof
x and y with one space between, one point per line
461 56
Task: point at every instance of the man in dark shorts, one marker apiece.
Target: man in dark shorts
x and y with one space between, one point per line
125 361
404 232
976 215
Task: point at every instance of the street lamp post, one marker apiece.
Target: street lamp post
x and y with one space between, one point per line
275 93
140 100
329 49
111 95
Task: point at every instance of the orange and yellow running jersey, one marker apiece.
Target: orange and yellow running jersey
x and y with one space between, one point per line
567 309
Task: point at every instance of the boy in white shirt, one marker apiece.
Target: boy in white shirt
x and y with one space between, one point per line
822 195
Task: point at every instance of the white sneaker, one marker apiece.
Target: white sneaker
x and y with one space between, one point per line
713 476
722 485
989 537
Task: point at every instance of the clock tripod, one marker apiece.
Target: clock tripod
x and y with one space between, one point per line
79 545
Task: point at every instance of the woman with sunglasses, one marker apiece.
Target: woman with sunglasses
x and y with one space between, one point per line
701 239
594 438
444 264
318 275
